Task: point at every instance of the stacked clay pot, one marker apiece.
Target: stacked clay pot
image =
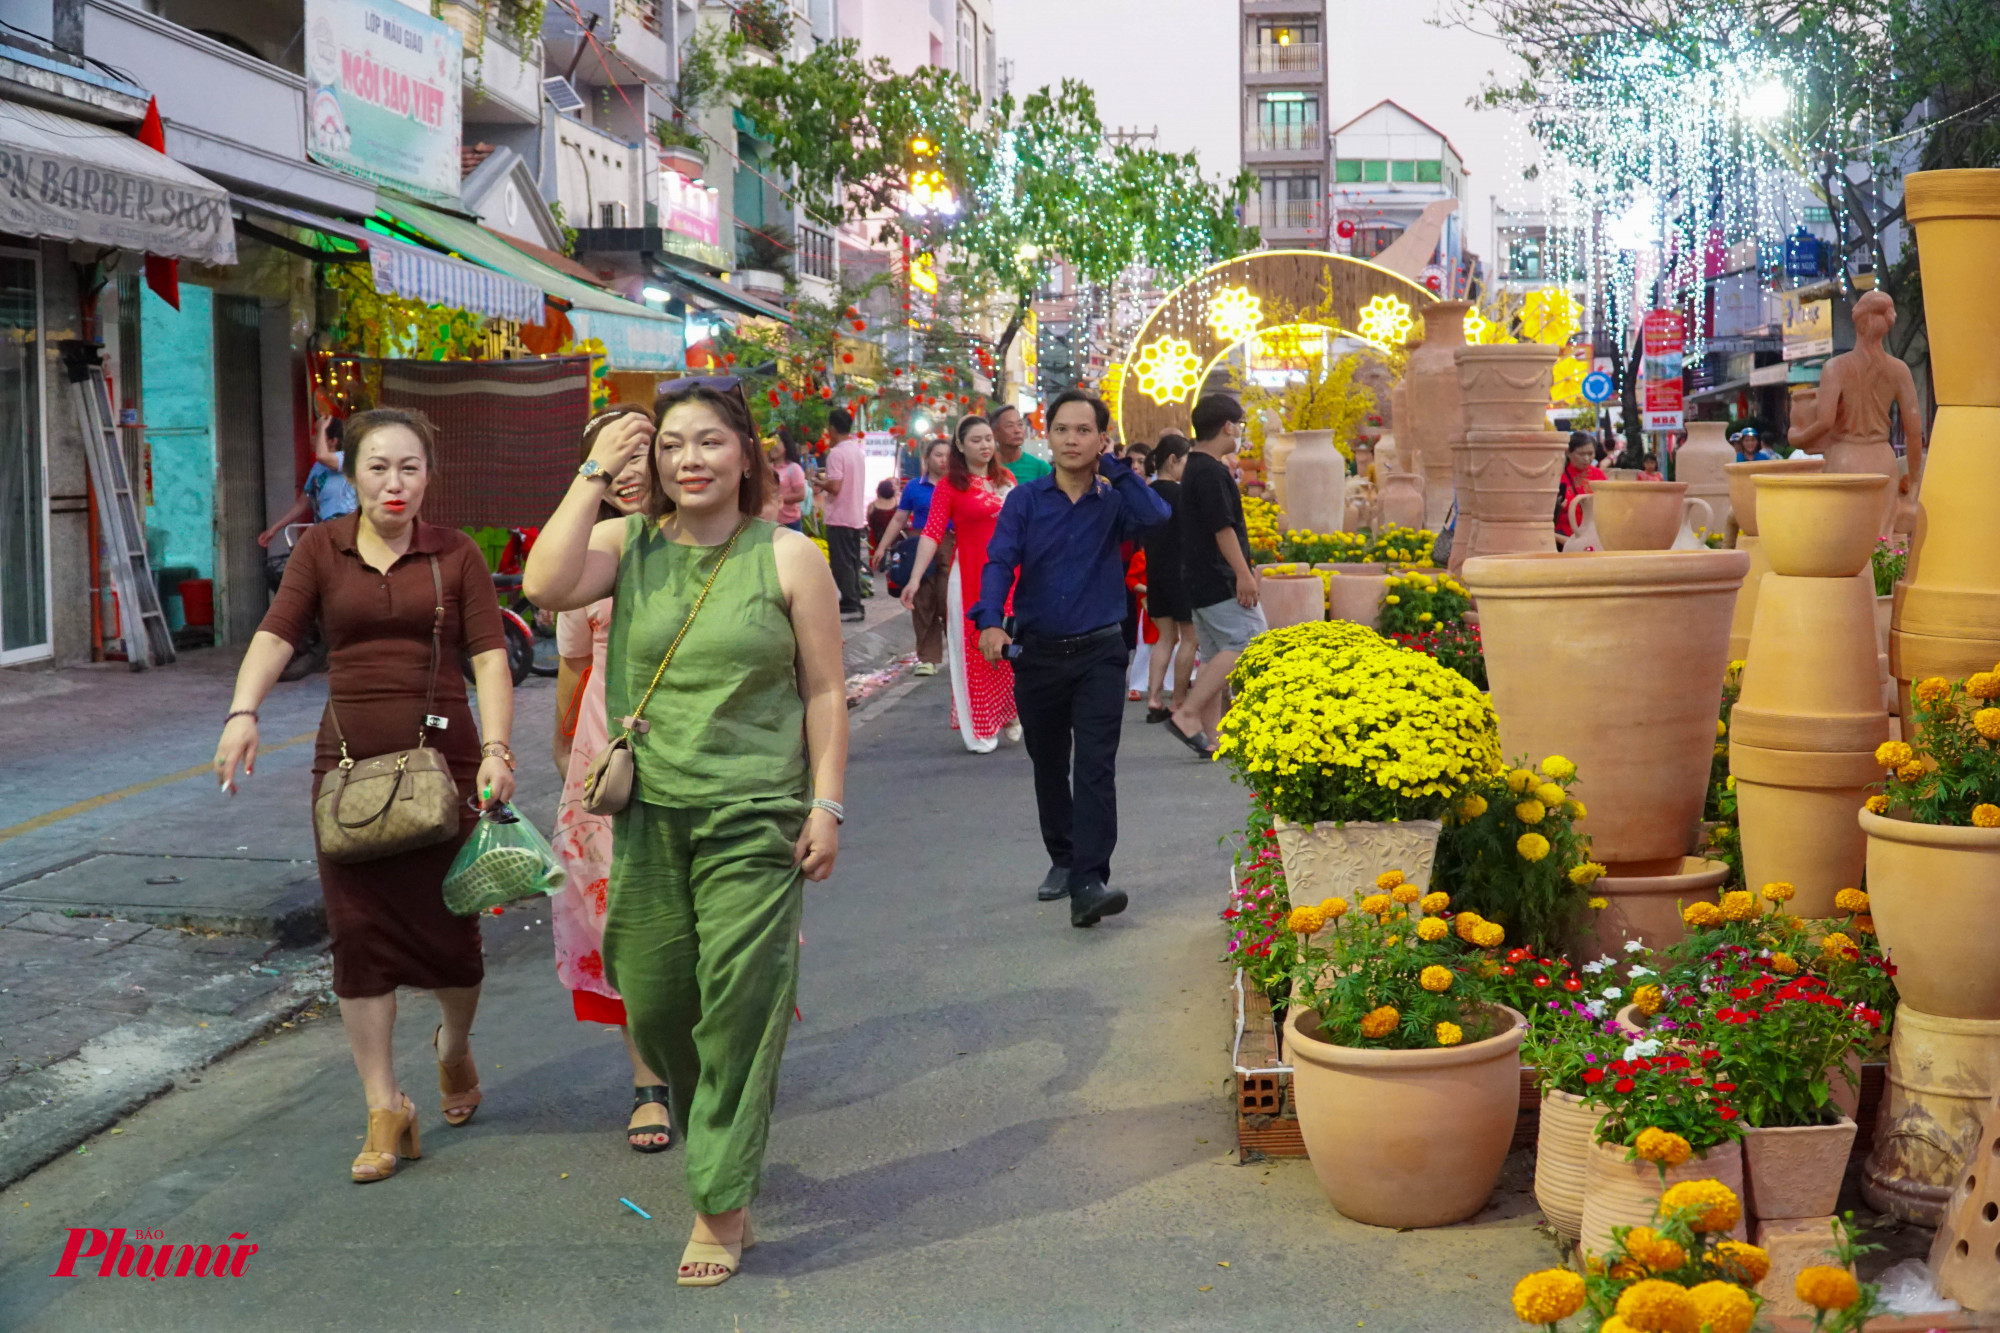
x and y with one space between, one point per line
1355 592
1290 599
1700 463
1508 462
1635 515
1402 500
1802 735
1315 482
1433 403
1743 503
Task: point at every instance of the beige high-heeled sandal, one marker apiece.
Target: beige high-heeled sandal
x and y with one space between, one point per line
391 1135
726 1257
459 1084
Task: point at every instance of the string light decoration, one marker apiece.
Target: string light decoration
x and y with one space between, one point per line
1112 387
1235 314
1167 370
1385 321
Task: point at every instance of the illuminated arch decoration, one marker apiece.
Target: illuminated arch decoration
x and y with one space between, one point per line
1182 342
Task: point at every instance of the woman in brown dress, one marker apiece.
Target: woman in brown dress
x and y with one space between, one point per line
365 581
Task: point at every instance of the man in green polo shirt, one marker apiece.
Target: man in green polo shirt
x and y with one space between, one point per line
1009 434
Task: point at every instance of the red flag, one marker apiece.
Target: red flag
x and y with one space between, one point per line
162 275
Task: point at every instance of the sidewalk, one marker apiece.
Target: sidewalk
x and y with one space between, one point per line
149 926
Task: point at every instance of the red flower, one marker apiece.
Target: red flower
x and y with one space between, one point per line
1726 1112
1725 1087
1518 955
1623 1085
1541 983
1572 984
1506 971
1593 1076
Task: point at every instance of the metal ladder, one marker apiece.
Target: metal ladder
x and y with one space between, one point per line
141 622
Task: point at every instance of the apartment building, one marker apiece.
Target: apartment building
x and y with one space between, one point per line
1283 86
1388 167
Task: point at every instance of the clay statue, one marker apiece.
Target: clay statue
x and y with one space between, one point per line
1850 420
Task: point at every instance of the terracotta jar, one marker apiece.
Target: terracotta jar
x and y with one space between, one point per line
1278 446
1621 1193
1562 1145
1647 908
1803 733
1700 462
1291 599
1636 515
1434 415
1355 592
1943 1074
1549 622
1406 1138
1515 477
1948 609
1934 890
1743 502
1332 860
1795 1172
1402 500
1315 482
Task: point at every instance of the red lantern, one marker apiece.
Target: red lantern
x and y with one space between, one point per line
1346 229
826 393
847 357
852 312
860 325
1432 282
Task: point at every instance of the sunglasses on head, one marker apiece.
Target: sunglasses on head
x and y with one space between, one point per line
715 383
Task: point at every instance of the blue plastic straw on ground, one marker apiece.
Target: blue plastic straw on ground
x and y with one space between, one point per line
637 1209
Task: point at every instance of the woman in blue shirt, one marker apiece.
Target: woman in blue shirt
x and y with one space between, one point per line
927 610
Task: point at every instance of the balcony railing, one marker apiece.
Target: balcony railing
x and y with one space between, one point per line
1287 215
1283 139
1295 58
815 256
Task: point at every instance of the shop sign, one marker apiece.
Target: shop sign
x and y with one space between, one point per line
633 342
1764 376
1808 327
384 86
689 209
1665 344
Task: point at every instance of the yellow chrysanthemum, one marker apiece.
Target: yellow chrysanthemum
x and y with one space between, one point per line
1380 1022
1587 873
1305 921
1406 893
1519 780
1377 905
1987 723
1729 783
1983 685
1530 811
1532 846
1911 771
1450 1034
1548 1297
1744 1262
1574 808
1388 880
1738 905
1472 807
1615 1325
1986 816
1826 1288
1836 944
1648 999
1437 980
1658 1306
1851 900
1723 1307
1598 904
1465 923
1488 935
1931 690
1662 1146
1549 794
1779 892
1715 1205
1333 909
1894 754
1432 929
1434 903
1702 915
1559 768
1656 1252
1721 728
1784 964
1876 805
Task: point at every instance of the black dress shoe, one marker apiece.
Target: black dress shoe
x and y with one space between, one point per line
1092 901
1054 885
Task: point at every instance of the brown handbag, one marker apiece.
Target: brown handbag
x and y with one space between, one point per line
607 783
393 803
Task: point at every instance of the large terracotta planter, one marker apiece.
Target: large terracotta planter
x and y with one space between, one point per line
1315 482
1621 1193
1562 1146
1342 860
1402 501
1943 1074
1406 1138
1699 464
1796 1172
1549 623
1278 446
1355 592
1434 406
1935 893
1503 467
1636 515
1743 501
1647 908
1803 735
1291 599
1948 608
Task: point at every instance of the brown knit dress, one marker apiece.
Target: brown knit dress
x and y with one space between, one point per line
387 918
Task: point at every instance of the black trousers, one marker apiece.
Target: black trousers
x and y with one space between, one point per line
1072 708
843 552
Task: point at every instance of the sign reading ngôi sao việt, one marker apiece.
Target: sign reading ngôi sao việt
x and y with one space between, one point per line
688 208
384 84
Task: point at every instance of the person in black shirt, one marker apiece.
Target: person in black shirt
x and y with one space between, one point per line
1166 587
1215 562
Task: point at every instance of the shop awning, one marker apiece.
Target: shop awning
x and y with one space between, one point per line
734 297
69 180
418 274
635 337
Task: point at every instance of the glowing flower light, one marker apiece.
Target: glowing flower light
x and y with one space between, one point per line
1385 321
1235 314
1167 370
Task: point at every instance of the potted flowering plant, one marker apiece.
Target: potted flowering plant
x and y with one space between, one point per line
1357 747
1569 1035
1934 847
1415 602
1405 1073
1457 646
1259 942
1510 850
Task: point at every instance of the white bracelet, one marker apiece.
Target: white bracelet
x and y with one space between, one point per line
834 808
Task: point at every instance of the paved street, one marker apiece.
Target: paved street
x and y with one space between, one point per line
988 1120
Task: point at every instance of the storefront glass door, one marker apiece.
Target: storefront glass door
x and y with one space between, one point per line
24 566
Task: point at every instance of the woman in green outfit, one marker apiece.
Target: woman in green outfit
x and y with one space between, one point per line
740 760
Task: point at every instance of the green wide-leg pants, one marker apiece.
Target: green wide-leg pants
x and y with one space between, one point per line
701 938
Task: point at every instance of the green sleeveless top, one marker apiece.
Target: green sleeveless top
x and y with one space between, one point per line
727 723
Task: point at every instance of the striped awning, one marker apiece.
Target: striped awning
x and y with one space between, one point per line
416 273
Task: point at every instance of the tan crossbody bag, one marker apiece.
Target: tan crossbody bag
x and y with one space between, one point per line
607 783
394 803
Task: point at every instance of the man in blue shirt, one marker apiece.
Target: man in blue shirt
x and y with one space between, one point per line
1059 536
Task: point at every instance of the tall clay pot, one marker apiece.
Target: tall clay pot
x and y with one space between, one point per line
1927 884
1563 1137
1315 482
1509 462
1329 860
1638 515
1434 407
1406 1138
1802 735
1551 621
1743 502
1943 1074
1647 908
1621 1193
1699 463
1948 609
1795 1171
1402 502
1278 446
1291 599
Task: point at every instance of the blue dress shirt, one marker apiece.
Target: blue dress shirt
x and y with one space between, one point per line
1072 575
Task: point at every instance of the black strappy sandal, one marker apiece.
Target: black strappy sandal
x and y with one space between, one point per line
656 1094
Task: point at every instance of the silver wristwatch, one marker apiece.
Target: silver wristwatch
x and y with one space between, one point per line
592 470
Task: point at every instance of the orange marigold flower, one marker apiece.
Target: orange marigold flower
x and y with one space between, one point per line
1434 903
1450 1034
1430 930
1548 1297
1405 893
1778 891
1305 921
1380 1022
1658 1306
1723 1307
1837 944
1982 685
1388 880
1437 980
1911 771
1827 1288
1894 754
1465 923
1702 915
1648 1000
1738 905
1656 1252
1376 904
1715 1205
1851 900
1742 1261
1987 723
1784 964
1986 816
1333 908
1876 805
1932 689
1664 1147
1863 924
